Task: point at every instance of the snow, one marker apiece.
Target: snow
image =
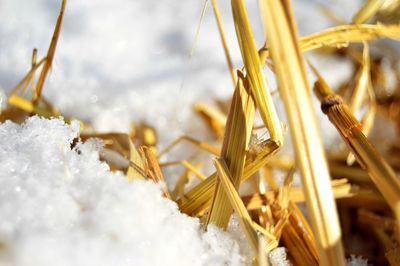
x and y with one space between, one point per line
63 206
357 261
278 257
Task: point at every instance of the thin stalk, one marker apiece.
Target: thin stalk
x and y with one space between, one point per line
50 53
217 15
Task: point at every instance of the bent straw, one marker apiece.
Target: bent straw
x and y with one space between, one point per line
341 36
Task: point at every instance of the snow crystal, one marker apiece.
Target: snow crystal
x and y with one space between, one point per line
237 233
278 257
357 261
62 206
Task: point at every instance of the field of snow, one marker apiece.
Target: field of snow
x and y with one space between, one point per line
62 206
117 62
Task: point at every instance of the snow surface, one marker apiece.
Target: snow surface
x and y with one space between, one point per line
278 257
62 206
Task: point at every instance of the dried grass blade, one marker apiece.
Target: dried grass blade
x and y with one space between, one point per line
341 36
189 166
256 162
179 188
153 169
389 12
368 10
363 82
262 257
25 80
245 221
136 165
363 88
369 199
196 35
28 106
310 158
193 169
292 227
272 240
254 70
264 213
299 239
353 174
367 156
218 18
214 118
368 119
34 62
200 144
50 53
258 200
237 137
199 197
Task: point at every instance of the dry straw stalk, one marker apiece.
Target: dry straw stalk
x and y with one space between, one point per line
236 203
50 53
221 31
310 158
367 11
367 156
236 139
255 74
342 36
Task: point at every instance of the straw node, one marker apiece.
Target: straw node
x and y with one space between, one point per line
329 101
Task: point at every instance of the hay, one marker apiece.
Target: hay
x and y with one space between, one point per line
271 216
